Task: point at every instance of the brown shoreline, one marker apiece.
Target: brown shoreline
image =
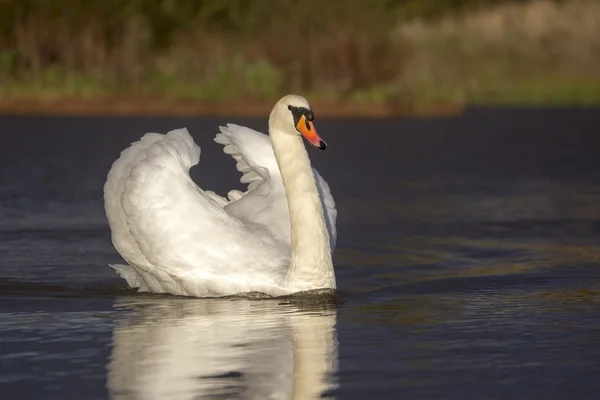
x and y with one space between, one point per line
144 107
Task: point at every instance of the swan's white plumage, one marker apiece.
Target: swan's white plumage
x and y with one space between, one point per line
180 239
193 246
113 190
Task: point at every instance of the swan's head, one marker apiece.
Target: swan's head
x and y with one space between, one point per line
292 115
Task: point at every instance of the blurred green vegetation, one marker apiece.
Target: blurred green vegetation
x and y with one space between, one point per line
367 51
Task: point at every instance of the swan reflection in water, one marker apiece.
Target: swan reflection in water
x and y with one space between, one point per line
180 348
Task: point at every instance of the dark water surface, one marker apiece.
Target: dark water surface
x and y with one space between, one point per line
468 263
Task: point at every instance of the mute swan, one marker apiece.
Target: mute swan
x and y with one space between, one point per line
276 238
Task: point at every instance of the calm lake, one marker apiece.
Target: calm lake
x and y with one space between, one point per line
468 267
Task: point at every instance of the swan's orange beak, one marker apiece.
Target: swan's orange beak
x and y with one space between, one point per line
307 129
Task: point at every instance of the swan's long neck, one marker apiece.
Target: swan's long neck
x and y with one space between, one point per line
311 265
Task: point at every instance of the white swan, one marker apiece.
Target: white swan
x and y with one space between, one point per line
276 238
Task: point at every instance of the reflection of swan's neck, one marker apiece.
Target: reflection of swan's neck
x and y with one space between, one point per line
315 353
311 266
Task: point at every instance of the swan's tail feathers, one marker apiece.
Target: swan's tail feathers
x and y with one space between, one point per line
126 272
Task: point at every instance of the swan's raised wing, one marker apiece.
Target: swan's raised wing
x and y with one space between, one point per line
113 189
254 156
200 248
264 202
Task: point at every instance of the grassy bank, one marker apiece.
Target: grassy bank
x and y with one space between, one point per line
386 56
535 52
